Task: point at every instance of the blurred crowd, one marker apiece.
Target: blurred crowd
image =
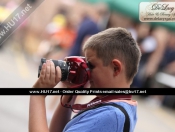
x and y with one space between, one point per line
59 28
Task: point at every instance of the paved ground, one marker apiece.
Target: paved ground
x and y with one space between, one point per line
17 71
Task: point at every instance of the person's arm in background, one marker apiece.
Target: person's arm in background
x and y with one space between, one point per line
37 110
160 34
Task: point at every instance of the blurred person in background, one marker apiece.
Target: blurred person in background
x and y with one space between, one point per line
152 66
167 64
94 19
147 44
152 41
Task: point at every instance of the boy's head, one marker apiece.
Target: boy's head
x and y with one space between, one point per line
118 44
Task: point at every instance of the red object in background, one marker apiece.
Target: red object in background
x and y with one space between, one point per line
65 37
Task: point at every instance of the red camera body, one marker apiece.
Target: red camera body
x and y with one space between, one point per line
78 70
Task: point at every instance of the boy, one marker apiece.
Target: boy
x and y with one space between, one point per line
113 58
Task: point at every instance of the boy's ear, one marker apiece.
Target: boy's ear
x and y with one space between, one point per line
117 66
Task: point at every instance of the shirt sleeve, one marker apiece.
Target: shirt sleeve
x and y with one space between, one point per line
104 119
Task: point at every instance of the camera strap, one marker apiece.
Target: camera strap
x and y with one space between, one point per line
95 101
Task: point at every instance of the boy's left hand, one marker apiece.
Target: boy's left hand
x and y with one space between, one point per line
49 76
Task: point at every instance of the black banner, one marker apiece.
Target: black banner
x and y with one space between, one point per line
87 91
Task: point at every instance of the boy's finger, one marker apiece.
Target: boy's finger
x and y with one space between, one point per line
47 76
58 74
52 71
43 71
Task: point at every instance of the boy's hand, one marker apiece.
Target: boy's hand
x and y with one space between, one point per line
49 77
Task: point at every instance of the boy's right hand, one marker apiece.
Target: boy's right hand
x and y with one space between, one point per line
49 76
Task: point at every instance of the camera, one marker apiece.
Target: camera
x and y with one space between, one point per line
74 69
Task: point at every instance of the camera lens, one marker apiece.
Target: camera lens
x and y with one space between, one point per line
62 64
